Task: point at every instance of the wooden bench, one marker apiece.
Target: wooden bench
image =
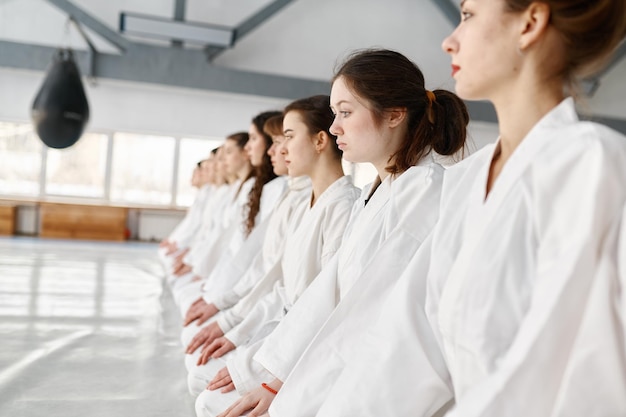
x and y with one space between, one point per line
59 220
7 218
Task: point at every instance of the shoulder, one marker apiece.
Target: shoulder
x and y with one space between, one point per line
458 179
275 187
429 171
346 188
471 163
279 183
417 183
583 145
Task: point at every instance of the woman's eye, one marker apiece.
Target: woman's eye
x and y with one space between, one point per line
465 15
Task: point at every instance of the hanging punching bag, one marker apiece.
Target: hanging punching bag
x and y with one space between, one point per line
60 111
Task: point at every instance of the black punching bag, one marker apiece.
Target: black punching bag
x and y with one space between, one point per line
60 111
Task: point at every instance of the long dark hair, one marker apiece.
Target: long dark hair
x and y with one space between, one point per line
264 173
386 79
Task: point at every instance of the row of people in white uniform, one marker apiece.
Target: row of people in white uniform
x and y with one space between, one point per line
494 288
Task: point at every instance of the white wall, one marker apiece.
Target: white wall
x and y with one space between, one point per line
142 108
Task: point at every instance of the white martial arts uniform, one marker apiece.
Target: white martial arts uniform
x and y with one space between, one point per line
212 218
241 247
266 265
213 214
308 248
206 255
519 290
206 252
234 262
310 346
185 230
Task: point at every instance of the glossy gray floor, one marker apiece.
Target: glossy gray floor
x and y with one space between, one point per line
87 329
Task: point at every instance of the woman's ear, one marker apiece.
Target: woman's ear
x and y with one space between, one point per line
396 116
321 141
535 21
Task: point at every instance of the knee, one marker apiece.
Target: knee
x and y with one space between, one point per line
196 384
191 362
201 409
188 333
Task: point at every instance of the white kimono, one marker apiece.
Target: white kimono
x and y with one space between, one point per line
288 210
308 247
240 251
214 212
185 230
243 249
211 216
223 218
218 216
233 226
187 227
265 268
311 345
521 289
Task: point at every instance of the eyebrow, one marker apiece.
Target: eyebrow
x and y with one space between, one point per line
339 103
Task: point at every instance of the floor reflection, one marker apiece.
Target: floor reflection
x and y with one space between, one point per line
87 330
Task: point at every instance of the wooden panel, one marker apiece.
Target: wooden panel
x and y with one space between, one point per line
7 219
82 222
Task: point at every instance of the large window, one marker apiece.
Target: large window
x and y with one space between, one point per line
78 170
142 168
20 160
119 167
191 152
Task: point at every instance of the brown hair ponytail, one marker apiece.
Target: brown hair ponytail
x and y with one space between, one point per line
442 128
386 80
264 173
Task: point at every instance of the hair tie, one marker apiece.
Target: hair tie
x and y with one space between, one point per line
430 96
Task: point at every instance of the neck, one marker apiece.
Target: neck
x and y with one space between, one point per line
326 173
244 172
519 111
381 169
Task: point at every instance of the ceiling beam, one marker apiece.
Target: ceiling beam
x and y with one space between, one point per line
179 15
179 10
167 66
259 18
249 25
92 23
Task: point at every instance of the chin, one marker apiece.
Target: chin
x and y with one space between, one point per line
353 159
468 92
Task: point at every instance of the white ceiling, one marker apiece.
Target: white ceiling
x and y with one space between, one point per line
305 39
